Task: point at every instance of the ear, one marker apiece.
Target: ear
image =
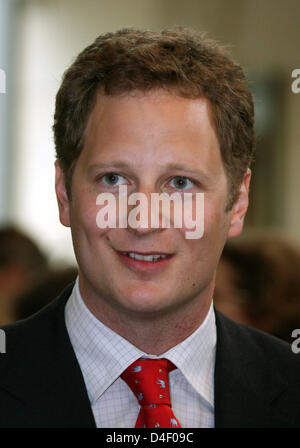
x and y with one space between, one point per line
62 196
240 207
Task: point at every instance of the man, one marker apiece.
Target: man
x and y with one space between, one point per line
155 112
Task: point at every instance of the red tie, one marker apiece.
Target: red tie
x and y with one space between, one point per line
149 381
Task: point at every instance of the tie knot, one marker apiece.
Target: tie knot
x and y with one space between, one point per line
149 381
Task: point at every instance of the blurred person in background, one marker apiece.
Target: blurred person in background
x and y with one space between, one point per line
42 292
258 284
21 264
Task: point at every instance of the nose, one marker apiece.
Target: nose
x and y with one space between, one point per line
143 216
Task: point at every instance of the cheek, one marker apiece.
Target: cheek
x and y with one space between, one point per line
205 220
204 253
187 215
83 215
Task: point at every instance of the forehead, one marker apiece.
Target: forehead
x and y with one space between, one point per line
156 127
154 111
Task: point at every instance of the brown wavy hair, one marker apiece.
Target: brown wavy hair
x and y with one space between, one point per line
179 60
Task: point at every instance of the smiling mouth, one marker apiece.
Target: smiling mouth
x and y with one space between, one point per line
153 257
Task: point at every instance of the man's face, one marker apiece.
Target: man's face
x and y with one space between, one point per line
152 143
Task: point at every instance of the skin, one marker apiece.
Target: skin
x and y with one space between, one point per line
141 137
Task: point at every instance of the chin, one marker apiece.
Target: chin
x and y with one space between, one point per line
145 298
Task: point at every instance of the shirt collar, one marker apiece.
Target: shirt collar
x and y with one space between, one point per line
103 354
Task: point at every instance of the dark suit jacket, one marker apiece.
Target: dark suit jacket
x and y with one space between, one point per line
257 377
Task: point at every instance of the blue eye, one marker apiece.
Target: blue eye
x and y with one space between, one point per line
113 179
181 183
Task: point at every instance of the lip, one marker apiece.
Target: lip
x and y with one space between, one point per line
144 253
145 266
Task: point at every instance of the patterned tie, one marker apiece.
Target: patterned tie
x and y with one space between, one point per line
149 381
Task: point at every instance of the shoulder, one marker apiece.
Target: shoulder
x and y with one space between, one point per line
257 378
250 343
39 373
32 337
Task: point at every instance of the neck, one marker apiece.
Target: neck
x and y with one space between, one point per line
153 333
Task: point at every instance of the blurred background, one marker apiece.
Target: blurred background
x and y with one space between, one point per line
40 38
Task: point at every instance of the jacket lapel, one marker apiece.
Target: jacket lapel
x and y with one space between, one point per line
76 406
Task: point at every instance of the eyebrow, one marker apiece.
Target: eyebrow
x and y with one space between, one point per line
183 167
114 164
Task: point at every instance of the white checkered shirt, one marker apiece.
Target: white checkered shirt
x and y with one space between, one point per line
103 355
